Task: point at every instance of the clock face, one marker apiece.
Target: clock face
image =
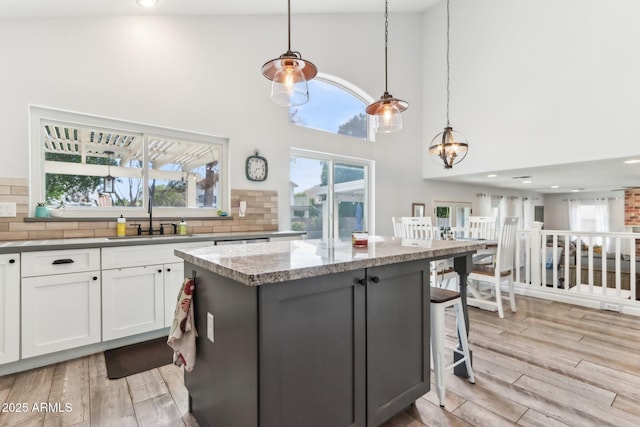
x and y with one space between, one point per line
256 168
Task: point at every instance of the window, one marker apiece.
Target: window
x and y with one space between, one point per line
182 173
334 106
591 215
331 196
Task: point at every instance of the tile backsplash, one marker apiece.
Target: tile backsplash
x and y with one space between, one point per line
261 215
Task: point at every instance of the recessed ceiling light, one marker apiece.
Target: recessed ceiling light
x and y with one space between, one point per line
555 186
147 3
493 175
629 162
576 190
528 181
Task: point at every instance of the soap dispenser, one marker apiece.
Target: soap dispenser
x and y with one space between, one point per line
121 229
182 227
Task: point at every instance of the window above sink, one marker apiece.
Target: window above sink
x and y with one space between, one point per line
71 153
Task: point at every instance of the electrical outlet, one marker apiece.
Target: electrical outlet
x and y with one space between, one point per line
7 209
242 210
210 327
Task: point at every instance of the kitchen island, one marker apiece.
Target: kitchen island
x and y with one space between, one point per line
312 333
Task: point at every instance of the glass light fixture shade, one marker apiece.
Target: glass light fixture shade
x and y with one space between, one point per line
386 113
109 184
289 75
449 147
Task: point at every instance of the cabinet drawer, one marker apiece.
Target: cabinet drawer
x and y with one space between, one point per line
46 263
136 256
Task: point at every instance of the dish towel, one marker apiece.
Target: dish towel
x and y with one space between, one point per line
182 337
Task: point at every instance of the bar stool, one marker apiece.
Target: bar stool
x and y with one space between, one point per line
441 299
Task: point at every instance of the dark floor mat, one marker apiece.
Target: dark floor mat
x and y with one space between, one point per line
136 358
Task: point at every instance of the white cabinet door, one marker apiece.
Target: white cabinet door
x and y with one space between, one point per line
9 308
132 301
60 312
173 278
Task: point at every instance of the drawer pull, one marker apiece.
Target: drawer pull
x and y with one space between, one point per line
63 261
12 261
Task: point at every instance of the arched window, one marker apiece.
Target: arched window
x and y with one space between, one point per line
334 106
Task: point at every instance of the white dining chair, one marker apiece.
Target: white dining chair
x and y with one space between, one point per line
421 228
482 227
416 227
502 270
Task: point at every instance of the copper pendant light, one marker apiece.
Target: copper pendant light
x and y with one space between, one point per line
449 146
289 74
386 111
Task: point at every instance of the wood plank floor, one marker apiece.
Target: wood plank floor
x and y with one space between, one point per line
549 364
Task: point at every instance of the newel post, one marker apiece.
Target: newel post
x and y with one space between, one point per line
536 262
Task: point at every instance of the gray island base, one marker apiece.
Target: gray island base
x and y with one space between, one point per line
312 333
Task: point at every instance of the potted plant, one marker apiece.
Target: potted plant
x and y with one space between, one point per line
57 211
41 210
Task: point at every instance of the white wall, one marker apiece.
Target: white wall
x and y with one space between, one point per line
203 74
535 82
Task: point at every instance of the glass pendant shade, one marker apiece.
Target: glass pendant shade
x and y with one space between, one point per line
449 147
289 84
386 116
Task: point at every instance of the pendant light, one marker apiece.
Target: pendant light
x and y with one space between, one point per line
289 74
449 146
109 181
386 111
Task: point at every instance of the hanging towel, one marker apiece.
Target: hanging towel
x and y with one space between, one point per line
182 337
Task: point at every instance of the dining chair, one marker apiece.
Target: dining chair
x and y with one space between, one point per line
482 227
397 226
421 228
417 227
502 270
440 300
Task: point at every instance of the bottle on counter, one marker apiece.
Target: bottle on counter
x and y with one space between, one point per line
121 229
182 227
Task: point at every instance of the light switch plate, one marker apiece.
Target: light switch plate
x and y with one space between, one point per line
7 209
210 326
242 211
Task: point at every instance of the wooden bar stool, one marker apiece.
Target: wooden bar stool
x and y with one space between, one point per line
441 299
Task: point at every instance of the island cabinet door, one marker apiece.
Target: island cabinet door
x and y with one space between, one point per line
397 338
312 361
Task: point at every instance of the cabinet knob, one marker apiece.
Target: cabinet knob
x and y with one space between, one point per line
12 261
168 269
95 277
360 281
375 279
159 270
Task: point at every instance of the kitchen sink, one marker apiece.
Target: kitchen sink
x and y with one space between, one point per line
157 236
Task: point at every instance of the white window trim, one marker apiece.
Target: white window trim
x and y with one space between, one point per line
39 114
369 180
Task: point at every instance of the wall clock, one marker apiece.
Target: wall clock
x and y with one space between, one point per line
256 167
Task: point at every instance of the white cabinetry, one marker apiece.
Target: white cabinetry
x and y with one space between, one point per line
132 301
60 300
139 287
9 308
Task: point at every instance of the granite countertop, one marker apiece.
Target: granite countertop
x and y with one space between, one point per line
273 262
102 242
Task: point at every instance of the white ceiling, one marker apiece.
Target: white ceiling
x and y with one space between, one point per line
594 176
58 8
601 175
